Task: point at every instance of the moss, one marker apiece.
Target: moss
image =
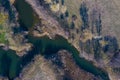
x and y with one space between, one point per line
2 38
3 18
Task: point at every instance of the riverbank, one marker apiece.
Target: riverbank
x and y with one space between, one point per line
51 26
38 69
53 30
47 46
49 68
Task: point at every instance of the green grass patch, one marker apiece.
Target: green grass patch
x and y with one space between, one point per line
2 38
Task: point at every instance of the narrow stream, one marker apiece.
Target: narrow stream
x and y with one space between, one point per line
10 63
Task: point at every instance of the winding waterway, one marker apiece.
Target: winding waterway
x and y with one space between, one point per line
10 63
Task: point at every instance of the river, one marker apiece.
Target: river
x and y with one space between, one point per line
10 63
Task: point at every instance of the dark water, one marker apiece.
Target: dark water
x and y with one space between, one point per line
27 17
10 63
46 46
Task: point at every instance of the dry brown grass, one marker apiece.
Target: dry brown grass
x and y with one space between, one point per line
73 8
